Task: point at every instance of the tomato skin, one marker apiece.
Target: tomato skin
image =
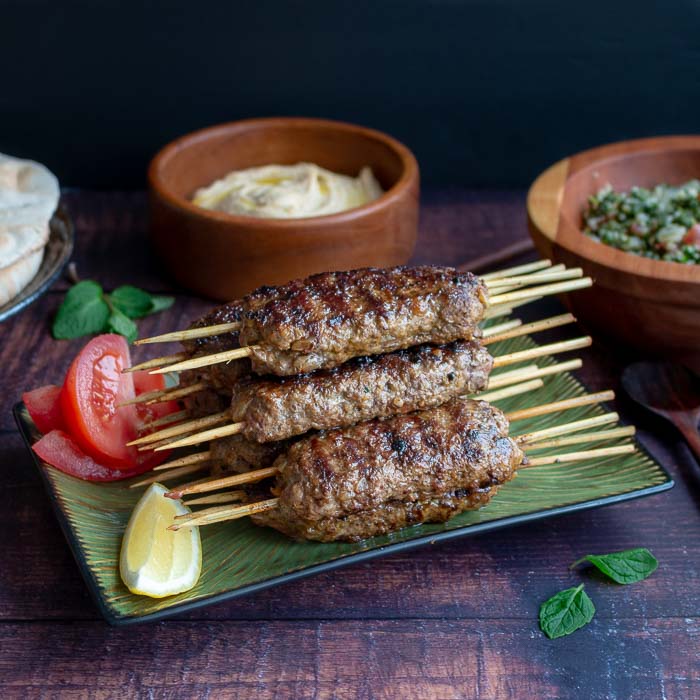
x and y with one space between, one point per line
84 424
692 237
93 389
44 407
58 449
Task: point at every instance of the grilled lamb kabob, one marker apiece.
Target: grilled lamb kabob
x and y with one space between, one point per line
326 319
382 475
268 409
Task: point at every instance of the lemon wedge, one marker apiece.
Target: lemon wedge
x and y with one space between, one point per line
155 561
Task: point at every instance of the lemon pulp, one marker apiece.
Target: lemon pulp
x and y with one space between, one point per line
155 561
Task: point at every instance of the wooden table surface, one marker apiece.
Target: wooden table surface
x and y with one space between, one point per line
456 620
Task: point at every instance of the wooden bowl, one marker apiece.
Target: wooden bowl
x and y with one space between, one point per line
651 305
223 256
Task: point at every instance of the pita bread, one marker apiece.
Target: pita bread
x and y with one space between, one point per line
29 192
29 195
20 240
15 277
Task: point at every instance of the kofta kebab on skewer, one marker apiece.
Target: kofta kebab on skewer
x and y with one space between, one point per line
324 320
381 475
343 316
379 350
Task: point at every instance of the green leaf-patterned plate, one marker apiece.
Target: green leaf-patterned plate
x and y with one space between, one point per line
240 558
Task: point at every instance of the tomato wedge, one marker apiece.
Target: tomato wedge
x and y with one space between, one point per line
93 392
44 407
93 398
61 451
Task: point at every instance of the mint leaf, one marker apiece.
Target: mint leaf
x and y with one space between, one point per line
624 567
160 303
120 323
132 301
84 311
566 612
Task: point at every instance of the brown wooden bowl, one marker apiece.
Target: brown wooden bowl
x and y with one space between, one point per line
652 305
224 256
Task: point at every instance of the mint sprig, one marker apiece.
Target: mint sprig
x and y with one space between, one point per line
624 567
88 310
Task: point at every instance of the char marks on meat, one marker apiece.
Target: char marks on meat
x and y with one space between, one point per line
324 320
359 390
410 461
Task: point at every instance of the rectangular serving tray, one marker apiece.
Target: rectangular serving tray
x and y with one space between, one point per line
240 558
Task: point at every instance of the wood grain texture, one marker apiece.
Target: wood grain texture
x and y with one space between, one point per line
458 620
224 256
656 305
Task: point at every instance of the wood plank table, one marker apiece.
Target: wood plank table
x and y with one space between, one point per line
456 620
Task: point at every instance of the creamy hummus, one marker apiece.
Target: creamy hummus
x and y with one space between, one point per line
288 191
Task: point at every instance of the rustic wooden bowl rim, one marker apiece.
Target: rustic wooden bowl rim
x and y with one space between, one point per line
408 177
601 253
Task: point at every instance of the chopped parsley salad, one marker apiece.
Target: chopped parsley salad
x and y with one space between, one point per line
662 223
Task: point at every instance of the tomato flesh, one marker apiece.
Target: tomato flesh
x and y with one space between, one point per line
58 449
85 423
44 407
692 237
93 392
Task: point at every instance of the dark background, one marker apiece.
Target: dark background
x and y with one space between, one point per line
486 92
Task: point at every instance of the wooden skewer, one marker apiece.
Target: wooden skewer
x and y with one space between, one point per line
565 428
207 360
548 276
166 476
223 513
224 482
501 327
514 390
192 333
534 327
226 497
579 456
182 461
212 434
566 404
517 270
498 311
544 290
208 517
505 309
507 288
532 353
157 362
625 431
165 420
177 392
532 372
181 428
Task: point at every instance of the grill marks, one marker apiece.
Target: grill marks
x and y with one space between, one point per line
326 319
419 458
361 389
